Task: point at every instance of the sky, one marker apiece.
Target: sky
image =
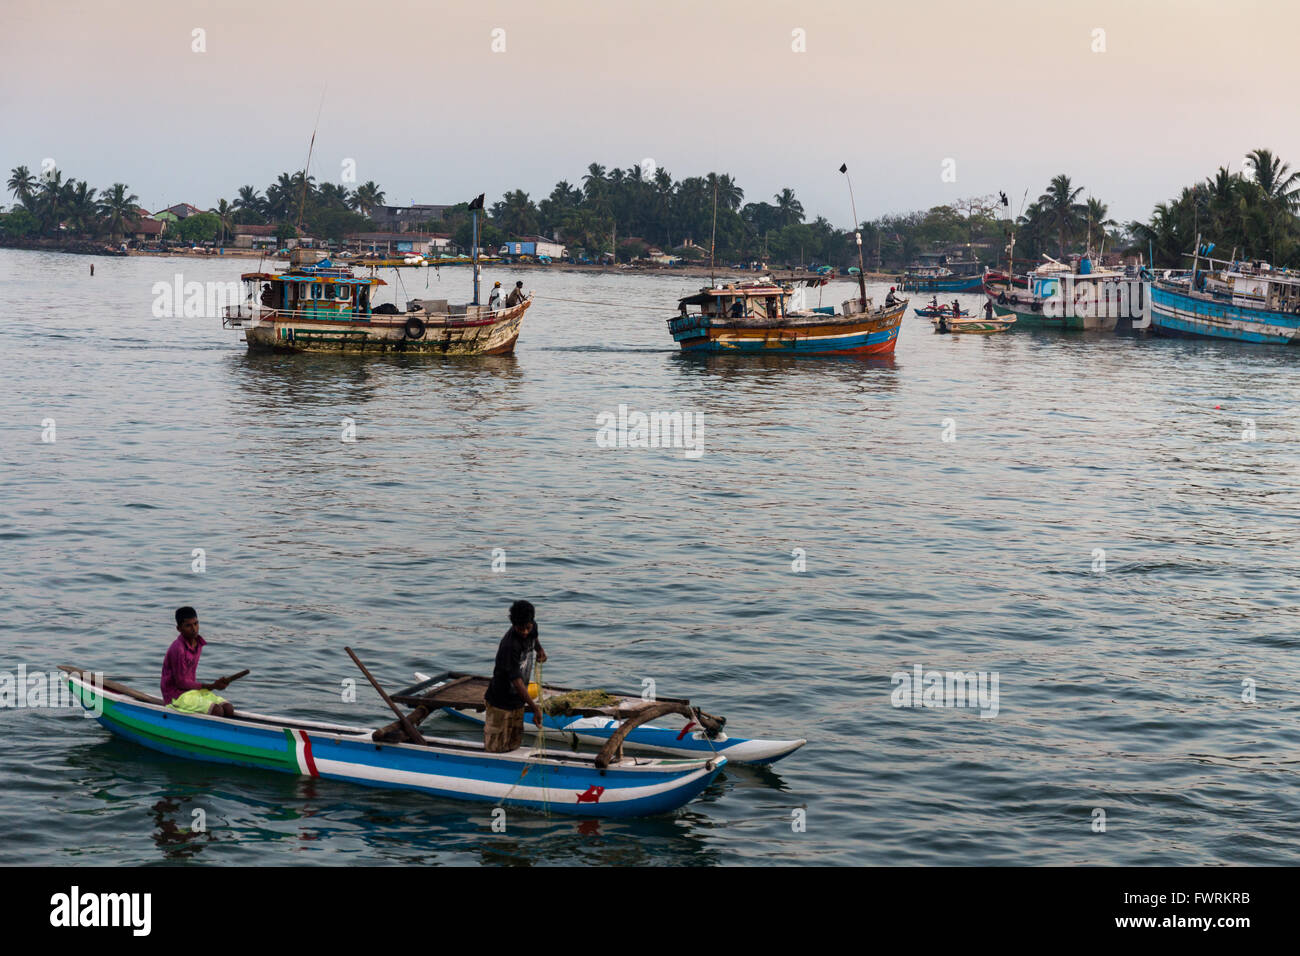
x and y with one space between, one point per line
927 101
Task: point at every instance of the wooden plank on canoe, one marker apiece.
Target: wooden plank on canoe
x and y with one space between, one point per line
95 680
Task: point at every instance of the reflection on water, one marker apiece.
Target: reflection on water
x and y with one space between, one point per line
848 519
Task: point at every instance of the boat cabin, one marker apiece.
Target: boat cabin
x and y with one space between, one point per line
320 292
741 301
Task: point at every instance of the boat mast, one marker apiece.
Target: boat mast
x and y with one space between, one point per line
857 235
474 208
302 199
714 237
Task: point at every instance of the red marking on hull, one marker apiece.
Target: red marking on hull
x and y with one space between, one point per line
686 730
592 795
307 756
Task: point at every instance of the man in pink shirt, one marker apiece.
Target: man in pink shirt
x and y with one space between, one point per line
180 687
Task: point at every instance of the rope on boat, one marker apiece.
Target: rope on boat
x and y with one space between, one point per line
612 305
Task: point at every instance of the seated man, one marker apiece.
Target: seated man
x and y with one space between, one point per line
738 309
516 295
181 689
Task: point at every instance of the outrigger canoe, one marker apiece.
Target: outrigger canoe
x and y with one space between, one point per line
600 785
460 696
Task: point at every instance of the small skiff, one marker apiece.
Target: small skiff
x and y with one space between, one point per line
461 696
596 785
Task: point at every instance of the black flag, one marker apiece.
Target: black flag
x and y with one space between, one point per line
1005 201
477 203
844 167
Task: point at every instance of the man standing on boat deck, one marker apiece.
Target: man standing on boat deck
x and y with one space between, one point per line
516 296
181 689
507 693
494 300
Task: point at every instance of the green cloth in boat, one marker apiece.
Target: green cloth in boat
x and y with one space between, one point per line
196 701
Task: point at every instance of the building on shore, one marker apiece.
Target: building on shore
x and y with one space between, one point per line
182 210
247 236
405 218
400 243
533 246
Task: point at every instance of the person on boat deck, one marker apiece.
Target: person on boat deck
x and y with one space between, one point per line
494 300
181 689
956 309
891 299
266 293
516 295
988 309
507 692
738 309
934 302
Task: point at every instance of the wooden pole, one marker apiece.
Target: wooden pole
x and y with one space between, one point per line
411 733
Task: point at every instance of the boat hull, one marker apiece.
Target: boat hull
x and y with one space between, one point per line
682 743
489 334
1180 314
943 284
872 333
552 782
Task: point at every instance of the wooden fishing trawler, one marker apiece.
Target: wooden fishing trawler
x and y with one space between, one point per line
1057 296
1241 301
325 307
940 279
766 315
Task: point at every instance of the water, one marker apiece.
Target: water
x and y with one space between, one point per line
1119 690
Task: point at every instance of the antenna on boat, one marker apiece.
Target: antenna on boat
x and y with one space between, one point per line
474 208
302 199
857 235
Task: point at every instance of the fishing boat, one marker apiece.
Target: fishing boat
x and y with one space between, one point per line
460 695
1240 301
1057 295
932 312
767 315
973 326
605 784
320 306
940 279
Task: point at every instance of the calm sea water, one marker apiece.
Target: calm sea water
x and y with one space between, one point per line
1120 690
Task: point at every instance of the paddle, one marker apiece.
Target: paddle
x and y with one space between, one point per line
407 726
227 681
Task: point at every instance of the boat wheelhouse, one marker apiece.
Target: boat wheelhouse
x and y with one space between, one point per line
1076 297
767 315
326 307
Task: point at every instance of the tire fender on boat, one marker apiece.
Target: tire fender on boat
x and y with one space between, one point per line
1002 298
414 328
1015 299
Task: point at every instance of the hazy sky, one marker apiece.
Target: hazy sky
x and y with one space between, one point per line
1011 91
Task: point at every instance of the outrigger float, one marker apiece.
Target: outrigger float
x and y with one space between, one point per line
397 756
460 695
766 315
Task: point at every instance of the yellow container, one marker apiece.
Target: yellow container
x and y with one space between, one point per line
535 691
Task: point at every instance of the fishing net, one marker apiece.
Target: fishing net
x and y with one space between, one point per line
563 703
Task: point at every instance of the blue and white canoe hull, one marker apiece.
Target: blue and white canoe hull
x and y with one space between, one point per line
682 743
1178 313
553 781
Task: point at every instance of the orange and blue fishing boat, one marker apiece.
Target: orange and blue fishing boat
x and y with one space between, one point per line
766 315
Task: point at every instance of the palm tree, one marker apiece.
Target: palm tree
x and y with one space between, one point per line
1280 188
52 200
83 209
226 213
1095 213
1062 209
788 209
366 198
516 214
730 195
249 200
118 206
23 186
593 184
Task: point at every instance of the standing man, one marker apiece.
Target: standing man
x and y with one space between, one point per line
494 300
516 295
507 692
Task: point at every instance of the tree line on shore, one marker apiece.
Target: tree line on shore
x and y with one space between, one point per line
629 211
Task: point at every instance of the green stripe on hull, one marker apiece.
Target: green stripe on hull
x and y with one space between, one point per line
200 748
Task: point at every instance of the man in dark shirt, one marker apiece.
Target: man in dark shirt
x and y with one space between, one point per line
507 693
